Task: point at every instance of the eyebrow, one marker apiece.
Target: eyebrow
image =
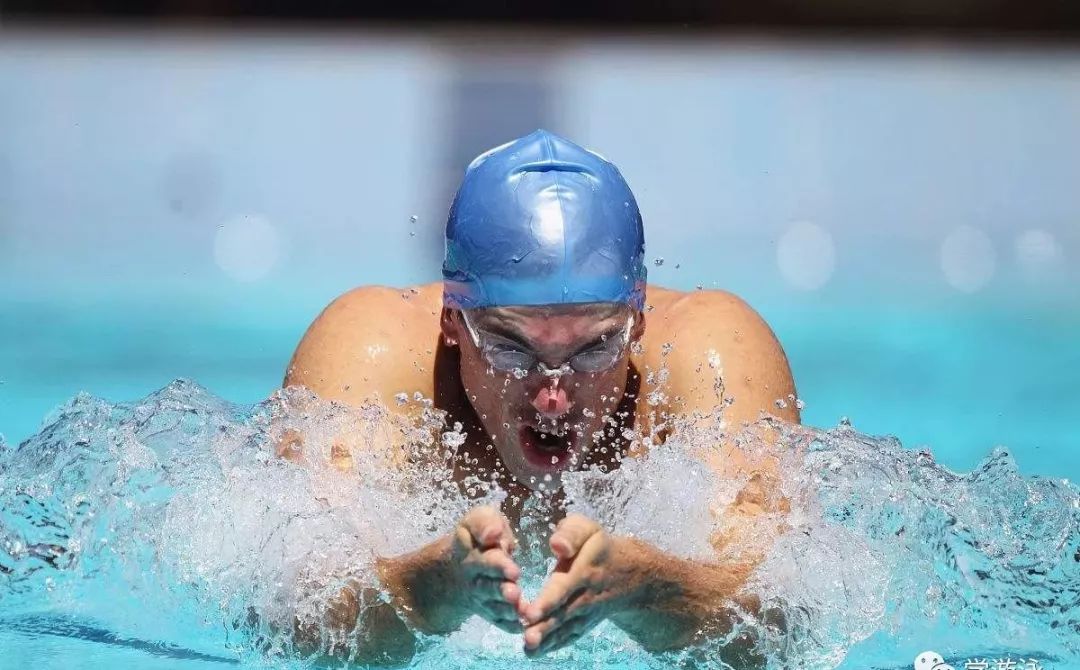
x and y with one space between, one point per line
506 331
510 332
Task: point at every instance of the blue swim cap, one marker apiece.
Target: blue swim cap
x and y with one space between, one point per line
542 221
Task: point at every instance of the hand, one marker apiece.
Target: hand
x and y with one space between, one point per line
466 572
488 576
593 579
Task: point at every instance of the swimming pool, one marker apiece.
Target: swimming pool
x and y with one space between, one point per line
121 274
128 605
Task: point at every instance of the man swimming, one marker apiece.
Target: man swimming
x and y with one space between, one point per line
545 343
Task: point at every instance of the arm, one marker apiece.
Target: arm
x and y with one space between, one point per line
662 601
432 590
351 356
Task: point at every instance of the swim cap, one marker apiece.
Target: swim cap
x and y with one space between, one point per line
543 221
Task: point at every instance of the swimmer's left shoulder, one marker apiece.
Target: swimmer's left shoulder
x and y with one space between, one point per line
703 307
719 332
707 320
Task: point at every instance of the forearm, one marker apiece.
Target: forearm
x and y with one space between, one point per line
681 600
359 624
422 586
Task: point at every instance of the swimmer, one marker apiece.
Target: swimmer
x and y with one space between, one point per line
546 344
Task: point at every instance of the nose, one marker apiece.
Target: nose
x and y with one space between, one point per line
551 399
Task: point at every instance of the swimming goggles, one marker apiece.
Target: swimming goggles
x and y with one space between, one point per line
506 355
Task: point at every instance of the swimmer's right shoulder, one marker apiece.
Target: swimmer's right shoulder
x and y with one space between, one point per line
367 342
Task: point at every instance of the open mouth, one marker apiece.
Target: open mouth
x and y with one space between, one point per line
547 450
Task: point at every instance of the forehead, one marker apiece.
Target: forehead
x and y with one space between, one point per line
536 321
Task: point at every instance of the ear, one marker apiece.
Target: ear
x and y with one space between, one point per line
639 326
450 327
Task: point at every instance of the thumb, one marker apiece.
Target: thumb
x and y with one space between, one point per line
486 527
571 535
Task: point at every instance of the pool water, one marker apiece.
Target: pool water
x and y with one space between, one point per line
152 501
178 206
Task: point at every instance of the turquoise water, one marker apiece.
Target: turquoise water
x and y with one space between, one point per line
958 375
129 161
958 381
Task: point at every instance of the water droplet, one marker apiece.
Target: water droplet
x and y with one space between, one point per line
453 439
414 218
658 262
799 404
781 403
402 398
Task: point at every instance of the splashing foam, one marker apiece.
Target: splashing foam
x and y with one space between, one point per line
176 517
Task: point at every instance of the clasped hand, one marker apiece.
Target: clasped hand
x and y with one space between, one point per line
592 579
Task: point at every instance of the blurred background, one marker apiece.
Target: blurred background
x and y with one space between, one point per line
183 187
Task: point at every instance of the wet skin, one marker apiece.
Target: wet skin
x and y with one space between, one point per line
722 351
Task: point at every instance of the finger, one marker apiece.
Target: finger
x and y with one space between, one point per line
487 588
561 590
500 611
511 593
534 634
494 563
485 525
566 634
508 542
571 535
538 636
509 624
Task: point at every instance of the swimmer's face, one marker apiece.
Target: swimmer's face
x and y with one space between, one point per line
542 419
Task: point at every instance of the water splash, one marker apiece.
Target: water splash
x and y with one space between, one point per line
176 518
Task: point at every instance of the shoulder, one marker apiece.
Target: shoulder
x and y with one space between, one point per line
367 339
363 301
692 305
700 317
720 346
